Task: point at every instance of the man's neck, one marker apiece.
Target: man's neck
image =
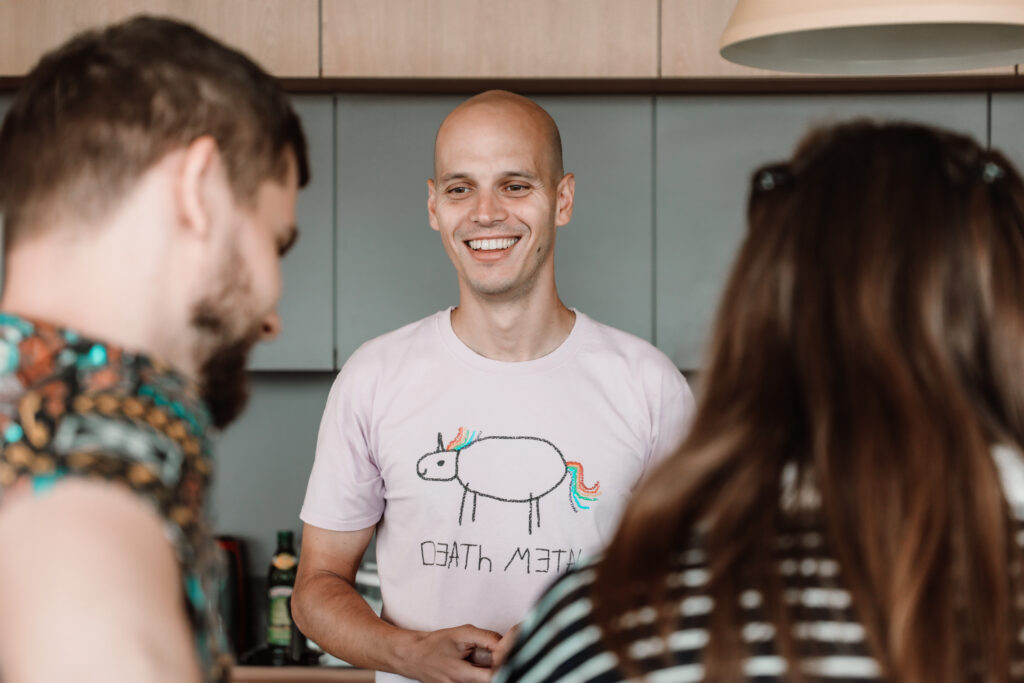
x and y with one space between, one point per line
513 331
97 289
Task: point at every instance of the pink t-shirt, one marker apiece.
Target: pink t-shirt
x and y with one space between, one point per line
487 479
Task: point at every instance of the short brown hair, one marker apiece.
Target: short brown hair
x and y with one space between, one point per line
98 111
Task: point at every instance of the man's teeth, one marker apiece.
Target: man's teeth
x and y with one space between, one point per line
489 245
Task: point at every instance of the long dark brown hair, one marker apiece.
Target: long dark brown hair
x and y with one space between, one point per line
870 341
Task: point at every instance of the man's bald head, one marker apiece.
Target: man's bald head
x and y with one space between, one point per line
505 103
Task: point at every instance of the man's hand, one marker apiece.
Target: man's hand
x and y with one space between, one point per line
329 610
504 645
493 659
443 656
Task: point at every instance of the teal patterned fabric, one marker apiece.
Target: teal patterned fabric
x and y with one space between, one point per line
74 407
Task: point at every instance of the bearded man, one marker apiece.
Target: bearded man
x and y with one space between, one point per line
148 179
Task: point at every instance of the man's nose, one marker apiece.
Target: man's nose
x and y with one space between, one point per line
271 327
489 209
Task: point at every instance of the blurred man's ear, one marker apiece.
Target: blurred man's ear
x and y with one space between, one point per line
201 157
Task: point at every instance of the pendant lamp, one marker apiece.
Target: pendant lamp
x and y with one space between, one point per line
875 37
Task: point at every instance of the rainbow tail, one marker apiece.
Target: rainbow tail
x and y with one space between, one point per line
579 491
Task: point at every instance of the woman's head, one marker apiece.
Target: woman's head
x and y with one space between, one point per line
883 263
868 352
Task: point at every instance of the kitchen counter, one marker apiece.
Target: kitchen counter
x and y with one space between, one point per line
299 674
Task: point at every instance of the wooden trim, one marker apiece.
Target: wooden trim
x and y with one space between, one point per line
299 674
637 86
276 33
490 38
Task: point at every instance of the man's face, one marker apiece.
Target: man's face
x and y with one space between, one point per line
496 199
240 306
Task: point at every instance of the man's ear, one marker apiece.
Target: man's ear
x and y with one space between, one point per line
432 204
196 171
564 199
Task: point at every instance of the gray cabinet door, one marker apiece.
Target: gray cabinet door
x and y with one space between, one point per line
1008 126
264 459
707 146
306 341
604 260
392 268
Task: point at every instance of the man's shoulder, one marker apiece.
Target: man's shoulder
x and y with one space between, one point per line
381 357
382 347
605 338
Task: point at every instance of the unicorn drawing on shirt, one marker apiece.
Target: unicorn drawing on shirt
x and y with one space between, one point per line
512 469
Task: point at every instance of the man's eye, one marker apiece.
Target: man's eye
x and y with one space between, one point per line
458 190
517 187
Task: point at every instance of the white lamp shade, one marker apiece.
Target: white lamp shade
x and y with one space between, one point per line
875 37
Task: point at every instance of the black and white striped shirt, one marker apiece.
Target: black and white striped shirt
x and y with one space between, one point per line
560 642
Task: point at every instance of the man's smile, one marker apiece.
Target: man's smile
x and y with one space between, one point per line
492 244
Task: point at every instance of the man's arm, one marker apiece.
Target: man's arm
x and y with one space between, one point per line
91 590
328 609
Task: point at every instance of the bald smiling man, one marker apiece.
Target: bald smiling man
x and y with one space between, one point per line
491 444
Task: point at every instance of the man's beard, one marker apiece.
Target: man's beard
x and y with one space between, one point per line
223 380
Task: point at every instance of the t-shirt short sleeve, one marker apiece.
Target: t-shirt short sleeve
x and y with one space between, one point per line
673 411
345 490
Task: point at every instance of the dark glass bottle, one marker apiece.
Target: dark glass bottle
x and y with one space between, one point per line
280 582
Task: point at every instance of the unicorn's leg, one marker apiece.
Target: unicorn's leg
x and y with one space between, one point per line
462 505
529 526
536 501
473 517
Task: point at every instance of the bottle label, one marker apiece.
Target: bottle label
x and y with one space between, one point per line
284 561
279 622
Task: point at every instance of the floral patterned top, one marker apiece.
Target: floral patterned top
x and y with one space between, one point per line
71 406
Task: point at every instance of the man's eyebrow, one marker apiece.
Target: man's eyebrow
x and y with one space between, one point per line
448 177
289 240
521 174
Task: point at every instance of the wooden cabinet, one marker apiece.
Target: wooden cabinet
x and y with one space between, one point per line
392 268
707 148
403 39
690 34
280 34
490 39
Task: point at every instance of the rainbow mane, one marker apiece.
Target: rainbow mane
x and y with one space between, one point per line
462 439
578 489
